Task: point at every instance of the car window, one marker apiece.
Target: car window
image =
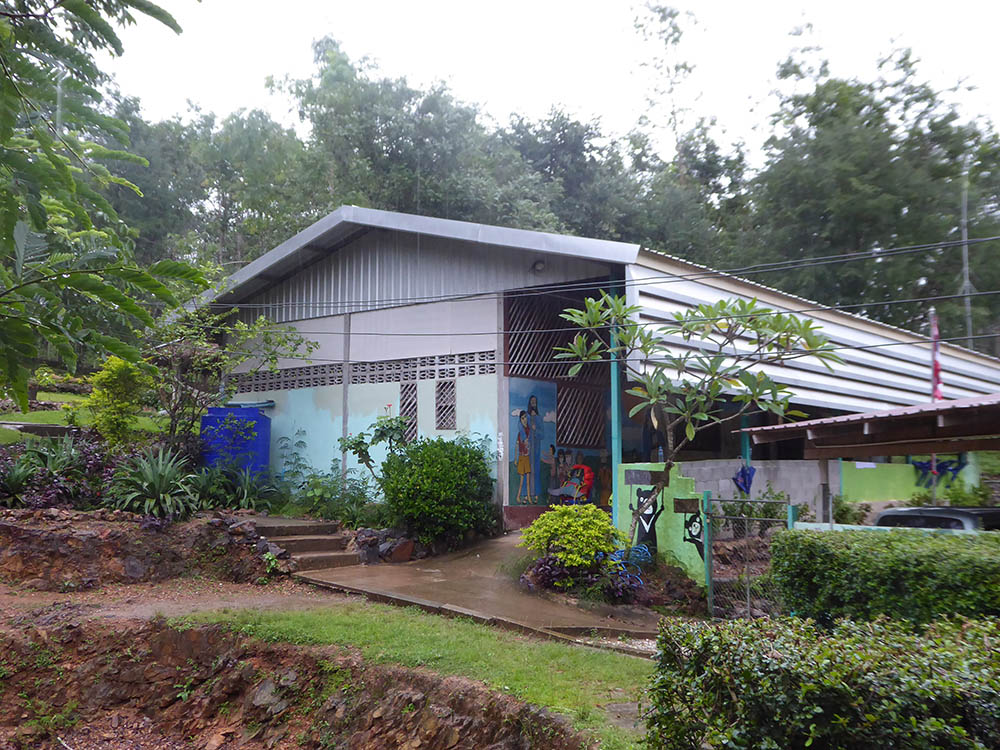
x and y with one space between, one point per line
943 522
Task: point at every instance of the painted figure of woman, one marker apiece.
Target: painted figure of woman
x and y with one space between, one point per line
562 468
523 457
535 429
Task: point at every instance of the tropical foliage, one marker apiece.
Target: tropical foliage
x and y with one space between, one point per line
717 377
68 282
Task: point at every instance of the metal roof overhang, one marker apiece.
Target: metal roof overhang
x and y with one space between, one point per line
350 222
939 427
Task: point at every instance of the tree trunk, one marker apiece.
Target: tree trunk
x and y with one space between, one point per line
647 504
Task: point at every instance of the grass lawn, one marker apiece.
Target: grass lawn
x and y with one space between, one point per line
571 680
58 416
7 436
61 398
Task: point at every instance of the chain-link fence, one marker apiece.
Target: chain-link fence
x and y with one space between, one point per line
739 556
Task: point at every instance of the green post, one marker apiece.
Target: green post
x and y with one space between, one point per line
793 515
706 536
616 429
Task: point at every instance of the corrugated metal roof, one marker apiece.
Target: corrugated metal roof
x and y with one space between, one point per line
349 222
919 410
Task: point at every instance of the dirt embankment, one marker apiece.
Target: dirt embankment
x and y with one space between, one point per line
146 684
64 550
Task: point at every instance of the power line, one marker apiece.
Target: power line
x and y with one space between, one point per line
789 265
498 362
768 312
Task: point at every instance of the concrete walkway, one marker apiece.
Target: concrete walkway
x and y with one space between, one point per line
471 583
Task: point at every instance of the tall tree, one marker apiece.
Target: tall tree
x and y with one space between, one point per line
379 142
67 278
864 167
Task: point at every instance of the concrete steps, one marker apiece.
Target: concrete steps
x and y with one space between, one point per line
323 560
314 545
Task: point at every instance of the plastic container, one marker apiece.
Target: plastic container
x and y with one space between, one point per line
237 436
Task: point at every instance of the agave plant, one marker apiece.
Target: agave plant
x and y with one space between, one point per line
58 457
15 477
252 490
156 483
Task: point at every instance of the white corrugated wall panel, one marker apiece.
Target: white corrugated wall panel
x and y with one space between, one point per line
869 379
385 269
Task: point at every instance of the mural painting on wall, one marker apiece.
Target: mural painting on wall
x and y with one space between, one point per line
646 531
541 472
532 426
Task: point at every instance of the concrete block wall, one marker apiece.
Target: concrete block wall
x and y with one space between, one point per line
801 480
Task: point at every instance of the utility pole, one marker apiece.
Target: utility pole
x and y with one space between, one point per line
936 394
967 287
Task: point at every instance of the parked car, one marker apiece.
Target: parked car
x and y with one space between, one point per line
934 517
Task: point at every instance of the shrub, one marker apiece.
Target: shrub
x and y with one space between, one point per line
71 471
16 473
232 487
440 489
575 534
339 495
959 495
905 574
753 522
157 483
846 512
116 401
787 684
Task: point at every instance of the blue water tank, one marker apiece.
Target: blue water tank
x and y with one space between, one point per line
237 436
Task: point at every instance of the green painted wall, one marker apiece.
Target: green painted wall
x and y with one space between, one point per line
883 482
670 527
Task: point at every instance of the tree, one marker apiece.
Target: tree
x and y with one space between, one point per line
379 142
727 346
67 279
197 355
858 166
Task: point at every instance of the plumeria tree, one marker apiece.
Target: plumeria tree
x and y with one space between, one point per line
702 368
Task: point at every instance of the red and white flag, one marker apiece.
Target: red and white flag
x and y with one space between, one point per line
935 361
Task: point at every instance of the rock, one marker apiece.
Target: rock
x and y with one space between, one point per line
368 555
265 695
135 568
384 548
402 551
215 741
242 528
262 545
277 551
287 567
289 678
39 584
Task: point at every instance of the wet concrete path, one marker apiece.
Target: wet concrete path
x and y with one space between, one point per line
473 583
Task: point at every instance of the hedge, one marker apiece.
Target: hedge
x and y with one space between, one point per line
789 683
904 574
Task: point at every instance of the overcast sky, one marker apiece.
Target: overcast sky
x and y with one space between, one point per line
521 56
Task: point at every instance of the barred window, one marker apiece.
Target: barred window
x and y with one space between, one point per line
580 417
408 408
444 405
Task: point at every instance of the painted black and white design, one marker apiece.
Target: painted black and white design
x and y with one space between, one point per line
694 532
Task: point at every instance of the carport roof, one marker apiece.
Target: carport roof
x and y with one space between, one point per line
935 427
